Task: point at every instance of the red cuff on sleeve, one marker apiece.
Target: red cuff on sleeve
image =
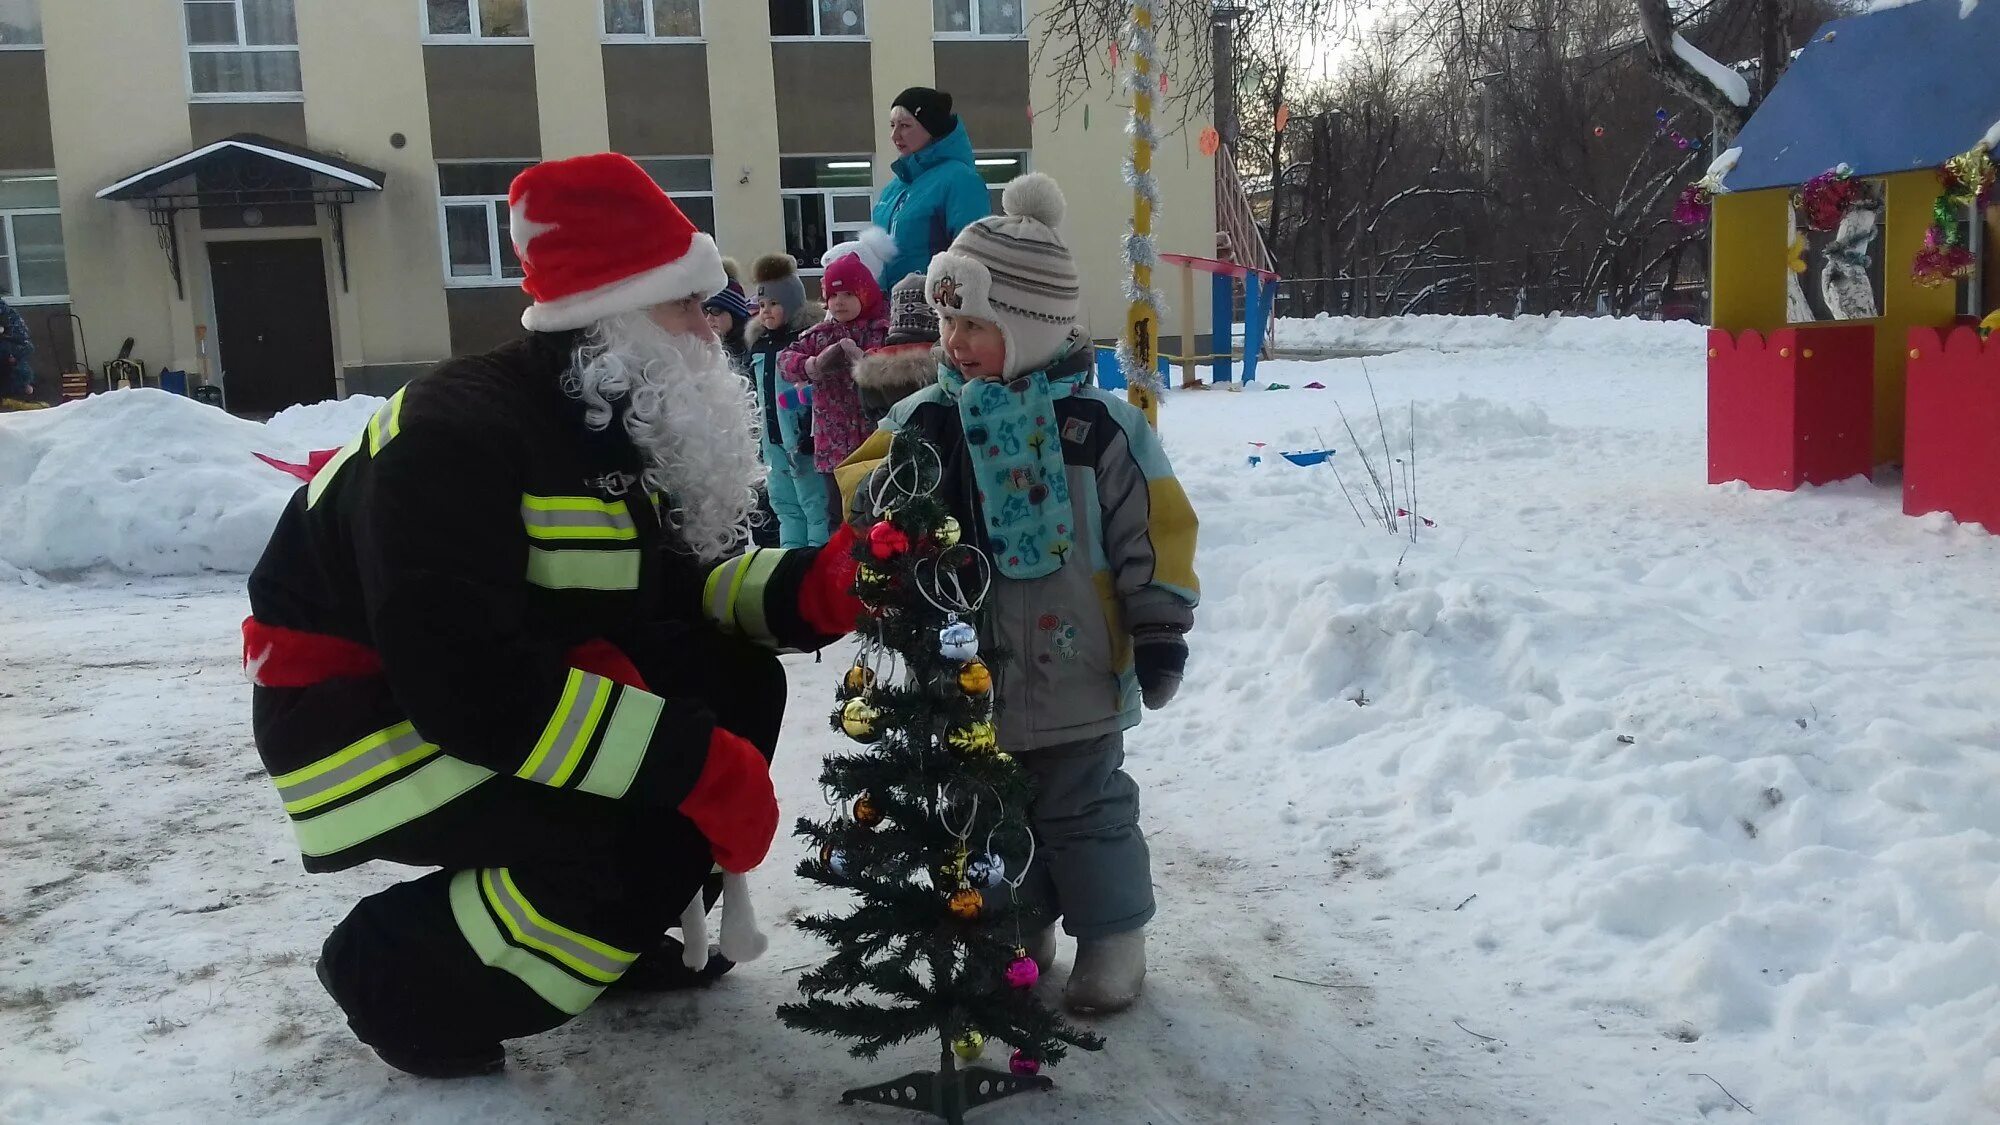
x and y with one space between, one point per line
826 598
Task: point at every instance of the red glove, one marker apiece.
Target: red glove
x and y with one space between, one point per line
733 803
600 657
826 596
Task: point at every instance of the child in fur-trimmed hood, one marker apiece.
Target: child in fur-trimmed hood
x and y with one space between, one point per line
907 361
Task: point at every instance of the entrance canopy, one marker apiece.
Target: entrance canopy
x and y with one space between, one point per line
246 173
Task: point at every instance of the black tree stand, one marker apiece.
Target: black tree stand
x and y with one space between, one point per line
948 1091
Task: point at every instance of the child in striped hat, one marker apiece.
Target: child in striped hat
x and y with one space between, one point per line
1067 490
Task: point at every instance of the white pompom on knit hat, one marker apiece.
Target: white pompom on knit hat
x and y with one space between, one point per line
597 237
1015 270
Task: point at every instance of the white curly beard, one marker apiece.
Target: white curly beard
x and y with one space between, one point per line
690 414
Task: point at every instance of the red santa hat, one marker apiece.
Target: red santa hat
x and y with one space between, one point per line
597 237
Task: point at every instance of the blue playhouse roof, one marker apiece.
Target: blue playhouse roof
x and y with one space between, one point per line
1887 91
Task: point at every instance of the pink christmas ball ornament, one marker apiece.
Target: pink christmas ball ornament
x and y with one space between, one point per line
1024 1065
1022 972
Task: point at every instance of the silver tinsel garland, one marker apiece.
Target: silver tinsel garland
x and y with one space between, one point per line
1141 250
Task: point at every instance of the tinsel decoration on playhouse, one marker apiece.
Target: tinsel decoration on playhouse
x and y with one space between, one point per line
1824 200
927 825
1139 348
1965 180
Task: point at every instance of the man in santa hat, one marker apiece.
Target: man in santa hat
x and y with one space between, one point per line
502 634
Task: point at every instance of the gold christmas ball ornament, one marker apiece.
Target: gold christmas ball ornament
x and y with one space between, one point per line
859 679
969 1046
975 678
966 903
866 812
974 740
858 718
948 535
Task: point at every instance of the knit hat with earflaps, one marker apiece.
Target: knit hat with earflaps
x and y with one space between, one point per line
1015 270
911 319
776 277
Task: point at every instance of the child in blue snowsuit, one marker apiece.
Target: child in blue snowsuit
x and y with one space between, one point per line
797 491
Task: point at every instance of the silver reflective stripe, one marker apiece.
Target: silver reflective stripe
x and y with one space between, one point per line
581 706
604 523
522 921
352 768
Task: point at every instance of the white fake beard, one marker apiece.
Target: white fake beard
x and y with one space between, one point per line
690 414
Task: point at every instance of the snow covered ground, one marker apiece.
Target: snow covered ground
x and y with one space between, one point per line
1611 792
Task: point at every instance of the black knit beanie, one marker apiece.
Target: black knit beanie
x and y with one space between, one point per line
931 108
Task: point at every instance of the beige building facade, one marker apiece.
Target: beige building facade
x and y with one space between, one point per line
303 199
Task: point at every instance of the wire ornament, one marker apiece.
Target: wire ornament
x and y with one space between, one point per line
891 475
952 600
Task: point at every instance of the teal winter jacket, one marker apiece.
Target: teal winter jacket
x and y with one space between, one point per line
936 193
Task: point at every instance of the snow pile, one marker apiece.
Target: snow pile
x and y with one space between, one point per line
148 482
1604 336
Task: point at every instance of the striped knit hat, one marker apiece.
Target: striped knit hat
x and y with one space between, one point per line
1014 270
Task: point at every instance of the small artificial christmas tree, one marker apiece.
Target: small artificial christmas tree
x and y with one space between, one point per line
930 829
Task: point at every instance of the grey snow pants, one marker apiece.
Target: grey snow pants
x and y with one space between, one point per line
1091 865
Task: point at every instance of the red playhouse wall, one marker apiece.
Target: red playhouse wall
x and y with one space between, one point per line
1796 409
1951 441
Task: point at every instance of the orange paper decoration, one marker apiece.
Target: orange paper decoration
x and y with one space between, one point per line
1210 141
1163 82
1284 117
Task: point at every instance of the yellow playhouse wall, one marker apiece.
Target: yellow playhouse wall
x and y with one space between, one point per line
1748 282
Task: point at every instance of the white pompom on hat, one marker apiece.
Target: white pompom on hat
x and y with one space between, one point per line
1015 270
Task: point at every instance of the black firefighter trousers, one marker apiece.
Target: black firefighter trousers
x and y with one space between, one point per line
544 896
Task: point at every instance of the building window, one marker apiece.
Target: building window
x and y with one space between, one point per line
467 21
809 19
996 168
32 269
20 25
827 200
473 220
979 19
242 50
668 20
691 183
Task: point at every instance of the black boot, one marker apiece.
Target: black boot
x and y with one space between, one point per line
660 969
428 1061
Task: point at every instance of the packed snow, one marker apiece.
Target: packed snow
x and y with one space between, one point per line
1615 797
152 483
1554 332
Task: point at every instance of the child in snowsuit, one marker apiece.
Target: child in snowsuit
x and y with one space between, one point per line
823 358
1068 492
907 360
798 495
17 356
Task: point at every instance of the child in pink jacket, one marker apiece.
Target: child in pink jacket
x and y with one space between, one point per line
857 321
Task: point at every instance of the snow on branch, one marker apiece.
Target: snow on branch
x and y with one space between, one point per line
1726 80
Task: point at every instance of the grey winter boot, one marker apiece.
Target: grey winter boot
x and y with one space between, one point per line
1041 946
1108 974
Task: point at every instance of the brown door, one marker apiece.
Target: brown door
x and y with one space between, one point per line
272 327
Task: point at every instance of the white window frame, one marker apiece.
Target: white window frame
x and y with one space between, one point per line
976 34
820 36
1024 163
13 276
38 45
496 279
478 33
651 36
826 197
189 49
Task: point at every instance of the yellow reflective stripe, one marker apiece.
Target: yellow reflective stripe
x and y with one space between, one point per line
626 740
569 729
355 768
468 907
324 478
426 790
386 424
577 517
583 570
748 600
581 952
715 593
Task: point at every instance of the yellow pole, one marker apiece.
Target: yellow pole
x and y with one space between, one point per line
1142 321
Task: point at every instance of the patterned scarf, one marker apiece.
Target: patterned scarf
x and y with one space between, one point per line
1017 462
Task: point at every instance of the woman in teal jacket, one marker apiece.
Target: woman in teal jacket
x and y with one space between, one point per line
937 191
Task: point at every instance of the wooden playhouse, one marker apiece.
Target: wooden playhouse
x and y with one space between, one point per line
1853 260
